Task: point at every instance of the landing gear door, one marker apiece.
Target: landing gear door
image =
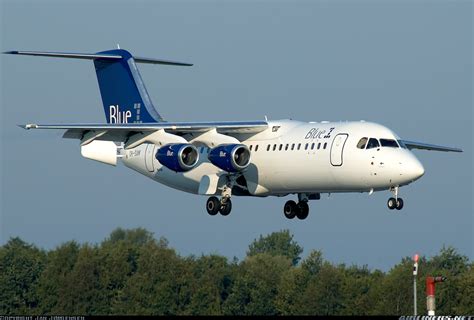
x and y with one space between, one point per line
149 155
337 149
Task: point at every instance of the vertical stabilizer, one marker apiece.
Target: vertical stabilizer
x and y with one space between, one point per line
123 92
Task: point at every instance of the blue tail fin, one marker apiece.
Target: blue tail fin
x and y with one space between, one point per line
124 96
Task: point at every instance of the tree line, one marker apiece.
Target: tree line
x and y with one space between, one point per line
132 273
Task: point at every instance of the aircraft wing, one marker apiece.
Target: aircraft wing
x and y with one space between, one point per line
426 146
121 132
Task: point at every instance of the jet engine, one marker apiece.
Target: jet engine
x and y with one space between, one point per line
230 157
179 157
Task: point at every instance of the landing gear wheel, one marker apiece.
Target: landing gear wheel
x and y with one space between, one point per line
392 203
290 209
213 205
303 210
399 204
226 208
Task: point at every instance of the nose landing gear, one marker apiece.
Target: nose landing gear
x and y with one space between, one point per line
395 203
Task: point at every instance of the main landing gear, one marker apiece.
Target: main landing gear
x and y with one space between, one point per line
299 210
395 203
224 205
214 205
293 209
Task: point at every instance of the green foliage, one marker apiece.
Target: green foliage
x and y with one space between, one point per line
21 266
395 292
132 273
323 295
466 293
212 279
277 244
54 283
254 290
358 289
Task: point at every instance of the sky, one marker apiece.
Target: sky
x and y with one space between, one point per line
404 64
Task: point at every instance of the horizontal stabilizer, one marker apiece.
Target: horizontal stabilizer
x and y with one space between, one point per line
426 146
89 56
93 56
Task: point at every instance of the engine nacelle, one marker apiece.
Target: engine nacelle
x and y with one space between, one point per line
179 157
230 157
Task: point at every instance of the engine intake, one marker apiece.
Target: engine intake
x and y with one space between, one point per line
179 157
230 157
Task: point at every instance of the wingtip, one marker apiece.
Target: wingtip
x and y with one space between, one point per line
28 126
10 52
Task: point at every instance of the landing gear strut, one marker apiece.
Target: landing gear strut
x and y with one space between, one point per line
395 203
299 210
224 205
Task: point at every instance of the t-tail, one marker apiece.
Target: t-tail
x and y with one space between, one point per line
124 96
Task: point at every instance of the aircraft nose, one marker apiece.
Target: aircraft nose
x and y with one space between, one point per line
415 169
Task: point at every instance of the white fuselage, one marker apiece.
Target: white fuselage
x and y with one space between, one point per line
296 157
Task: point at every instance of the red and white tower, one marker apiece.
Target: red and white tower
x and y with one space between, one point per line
430 293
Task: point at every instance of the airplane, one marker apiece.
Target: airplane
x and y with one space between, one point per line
238 158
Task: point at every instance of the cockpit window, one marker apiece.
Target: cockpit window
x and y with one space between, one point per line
373 143
362 142
400 142
388 143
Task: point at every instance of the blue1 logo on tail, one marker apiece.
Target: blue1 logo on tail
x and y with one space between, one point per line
117 116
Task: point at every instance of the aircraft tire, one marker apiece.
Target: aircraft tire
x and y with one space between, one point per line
391 203
303 210
213 205
399 204
226 208
290 209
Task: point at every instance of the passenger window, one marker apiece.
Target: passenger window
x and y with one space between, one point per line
292 147
268 147
319 145
281 147
286 147
312 146
373 143
325 145
306 147
250 148
274 147
299 146
388 143
256 148
362 142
